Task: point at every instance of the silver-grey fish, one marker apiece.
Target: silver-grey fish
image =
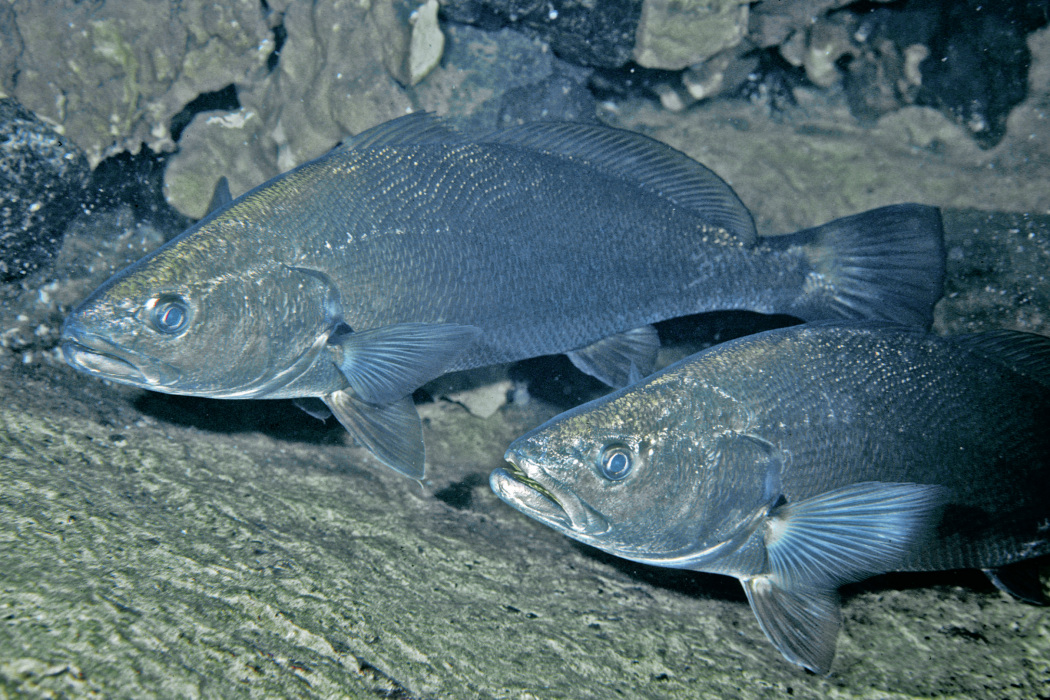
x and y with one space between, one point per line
803 458
413 250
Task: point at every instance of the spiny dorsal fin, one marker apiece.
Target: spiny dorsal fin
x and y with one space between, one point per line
220 197
412 129
655 166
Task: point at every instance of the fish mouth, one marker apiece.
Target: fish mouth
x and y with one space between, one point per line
96 355
525 487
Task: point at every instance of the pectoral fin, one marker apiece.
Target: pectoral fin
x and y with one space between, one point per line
385 364
620 359
850 533
392 432
817 544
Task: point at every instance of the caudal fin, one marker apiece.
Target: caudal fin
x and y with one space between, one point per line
887 264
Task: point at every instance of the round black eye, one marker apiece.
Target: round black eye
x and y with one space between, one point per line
616 462
170 315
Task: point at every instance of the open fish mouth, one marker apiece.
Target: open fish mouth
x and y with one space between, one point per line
557 508
96 355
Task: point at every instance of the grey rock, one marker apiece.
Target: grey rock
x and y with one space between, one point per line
110 75
42 178
598 34
673 34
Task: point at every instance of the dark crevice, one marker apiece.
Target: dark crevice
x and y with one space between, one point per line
224 99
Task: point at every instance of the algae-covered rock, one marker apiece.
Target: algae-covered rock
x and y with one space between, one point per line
324 91
158 546
109 76
673 34
330 82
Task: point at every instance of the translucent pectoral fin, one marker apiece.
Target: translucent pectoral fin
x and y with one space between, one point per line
815 545
801 623
385 364
392 432
620 359
849 533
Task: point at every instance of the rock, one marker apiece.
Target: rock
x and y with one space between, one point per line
109 76
42 179
327 88
583 32
329 82
486 76
413 42
673 34
772 22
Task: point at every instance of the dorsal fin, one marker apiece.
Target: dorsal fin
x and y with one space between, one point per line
1024 353
410 130
220 197
655 166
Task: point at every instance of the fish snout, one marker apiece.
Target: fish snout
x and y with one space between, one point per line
527 487
95 354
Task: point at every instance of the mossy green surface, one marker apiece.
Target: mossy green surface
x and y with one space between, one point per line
159 547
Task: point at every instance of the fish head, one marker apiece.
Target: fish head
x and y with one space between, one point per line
662 472
198 317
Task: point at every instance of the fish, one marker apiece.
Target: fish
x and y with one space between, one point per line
800 459
414 249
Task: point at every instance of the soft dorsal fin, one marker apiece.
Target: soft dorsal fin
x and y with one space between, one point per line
655 166
1024 353
412 129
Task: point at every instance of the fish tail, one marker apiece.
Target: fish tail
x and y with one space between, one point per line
885 264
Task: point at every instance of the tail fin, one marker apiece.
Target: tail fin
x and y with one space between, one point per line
886 264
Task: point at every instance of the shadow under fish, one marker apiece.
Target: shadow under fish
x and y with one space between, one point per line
413 250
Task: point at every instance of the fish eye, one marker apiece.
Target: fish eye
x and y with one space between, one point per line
170 314
616 462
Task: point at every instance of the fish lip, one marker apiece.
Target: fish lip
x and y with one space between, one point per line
97 355
525 487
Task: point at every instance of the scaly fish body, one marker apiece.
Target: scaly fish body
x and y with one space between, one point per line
412 251
803 458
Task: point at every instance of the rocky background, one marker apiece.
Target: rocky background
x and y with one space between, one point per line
164 546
